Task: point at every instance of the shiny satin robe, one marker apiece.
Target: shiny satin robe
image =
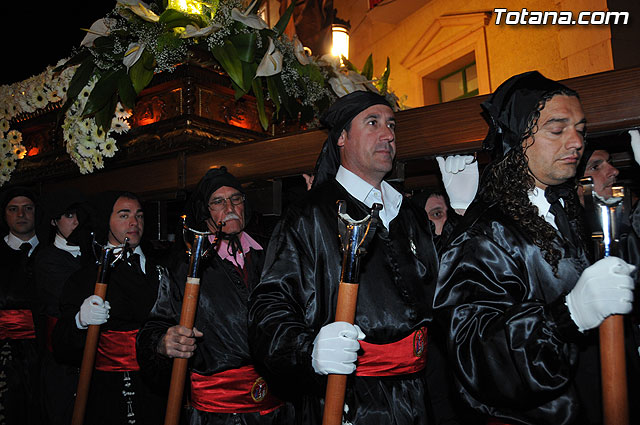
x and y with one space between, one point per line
297 295
519 355
222 317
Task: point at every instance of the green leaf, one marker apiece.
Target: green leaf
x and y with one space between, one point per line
248 74
383 81
367 69
126 92
257 91
141 73
245 44
273 92
104 90
284 19
349 65
105 115
74 60
173 18
227 57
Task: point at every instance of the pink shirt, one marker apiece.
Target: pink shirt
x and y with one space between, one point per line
247 243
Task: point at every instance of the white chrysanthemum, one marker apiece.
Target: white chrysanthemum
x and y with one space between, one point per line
119 126
14 136
86 166
122 112
87 125
98 161
5 175
19 151
84 151
4 125
97 133
38 98
54 94
5 147
109 147
9 163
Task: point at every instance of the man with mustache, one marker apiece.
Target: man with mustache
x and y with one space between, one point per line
225 386
516 291
119 393
293 331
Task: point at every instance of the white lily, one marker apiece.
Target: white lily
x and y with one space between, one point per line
271 62
298 50
251 20
194 31
141 9
133 53
100 28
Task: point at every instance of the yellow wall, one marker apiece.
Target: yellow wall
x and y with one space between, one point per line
557 51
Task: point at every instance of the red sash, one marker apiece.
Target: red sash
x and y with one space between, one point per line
117 351
51 323
239 390
403 357
16 324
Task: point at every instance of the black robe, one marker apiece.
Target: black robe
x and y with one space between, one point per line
297 296
52 267
19 358
131 295
222 317
520 357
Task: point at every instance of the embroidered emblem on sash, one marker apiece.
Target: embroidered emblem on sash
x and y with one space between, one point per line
418 343
259 390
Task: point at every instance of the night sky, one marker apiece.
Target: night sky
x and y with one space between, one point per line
38 34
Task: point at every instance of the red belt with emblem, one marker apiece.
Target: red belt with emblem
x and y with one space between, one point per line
117 351
403 357
239 390
16 324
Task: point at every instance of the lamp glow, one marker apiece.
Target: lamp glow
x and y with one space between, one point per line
340 41
192 7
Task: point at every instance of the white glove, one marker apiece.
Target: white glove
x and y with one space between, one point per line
635 144
460 177
93 311
603 289
335 348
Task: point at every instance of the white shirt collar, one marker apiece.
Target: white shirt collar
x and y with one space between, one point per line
61 243
390 198
14 242
137 250
537 198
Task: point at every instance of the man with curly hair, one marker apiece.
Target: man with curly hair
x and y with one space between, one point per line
516 294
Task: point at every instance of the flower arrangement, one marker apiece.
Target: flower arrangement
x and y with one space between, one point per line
97 87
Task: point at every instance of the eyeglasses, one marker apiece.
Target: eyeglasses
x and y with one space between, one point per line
217 204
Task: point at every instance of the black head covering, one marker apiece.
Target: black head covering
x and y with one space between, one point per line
58 202
11 193
197 208
508 109
335 119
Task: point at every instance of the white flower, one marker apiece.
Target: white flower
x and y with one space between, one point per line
194 31
122 112
4 125
19 151
54 95
100 28
98 161
140 8
119 126
9 163
251 20
133 53
39 98
5 147
109 148
271 62
14 136
298 50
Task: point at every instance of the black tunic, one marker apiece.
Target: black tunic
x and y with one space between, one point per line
19 358
52 267
222 317
519 355
131 295
297 296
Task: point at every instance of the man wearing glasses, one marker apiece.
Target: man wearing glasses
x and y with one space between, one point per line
225 387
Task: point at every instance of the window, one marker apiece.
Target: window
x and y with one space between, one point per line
459 84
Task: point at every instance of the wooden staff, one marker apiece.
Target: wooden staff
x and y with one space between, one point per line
187 318
93 335
604 219
354 235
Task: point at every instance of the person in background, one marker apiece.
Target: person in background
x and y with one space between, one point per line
19 357
119 392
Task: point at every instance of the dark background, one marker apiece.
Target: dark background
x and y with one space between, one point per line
38 34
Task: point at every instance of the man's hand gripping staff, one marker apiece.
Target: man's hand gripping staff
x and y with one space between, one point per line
187 315
335 346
